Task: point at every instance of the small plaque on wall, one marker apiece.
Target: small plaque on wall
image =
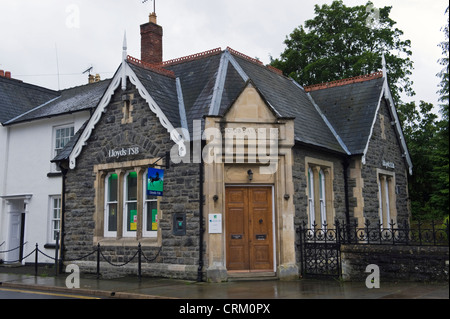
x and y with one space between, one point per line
215 223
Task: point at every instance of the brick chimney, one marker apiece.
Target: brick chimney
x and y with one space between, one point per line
151 41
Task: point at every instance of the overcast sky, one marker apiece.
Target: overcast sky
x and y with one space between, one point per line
41 39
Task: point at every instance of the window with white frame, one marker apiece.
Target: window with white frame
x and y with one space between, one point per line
55 217
386 198
111 202
61 136
320 206
311 208
130 212
126 200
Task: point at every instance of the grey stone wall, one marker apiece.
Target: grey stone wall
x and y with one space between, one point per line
181 187
408 263
389 150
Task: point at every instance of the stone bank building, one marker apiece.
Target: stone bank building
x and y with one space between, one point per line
297 154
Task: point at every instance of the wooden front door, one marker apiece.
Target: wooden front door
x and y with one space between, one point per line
249 238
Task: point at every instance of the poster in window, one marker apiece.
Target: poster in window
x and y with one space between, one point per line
133 219
155 181
154 219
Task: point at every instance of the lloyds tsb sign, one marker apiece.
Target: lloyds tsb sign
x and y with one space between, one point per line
116 153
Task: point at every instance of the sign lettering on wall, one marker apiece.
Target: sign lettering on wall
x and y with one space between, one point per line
388 164
124 151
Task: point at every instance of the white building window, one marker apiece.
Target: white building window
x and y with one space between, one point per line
312 214
320 195
127 210
386 196
130 211
111 193
61 136
55 217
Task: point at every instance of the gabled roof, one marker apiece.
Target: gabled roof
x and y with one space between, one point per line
350 107
211 81
337 117
70 100
17 97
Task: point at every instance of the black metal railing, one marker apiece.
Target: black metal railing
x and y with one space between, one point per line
97 251
320 247
422 234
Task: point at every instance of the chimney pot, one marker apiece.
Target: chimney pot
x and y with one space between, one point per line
7 74
2 73
152 18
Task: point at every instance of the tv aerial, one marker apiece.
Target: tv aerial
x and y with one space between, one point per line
154 4
88 70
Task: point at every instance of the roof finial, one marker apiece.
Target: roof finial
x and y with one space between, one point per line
124 46
124 60
383 65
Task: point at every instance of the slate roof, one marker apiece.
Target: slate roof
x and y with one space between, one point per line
220 76
351 108
162 89
17 97
290 100
198 79
67 101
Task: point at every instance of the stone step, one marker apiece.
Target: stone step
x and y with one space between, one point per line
252 276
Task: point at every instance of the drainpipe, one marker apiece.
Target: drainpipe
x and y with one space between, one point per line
201 229
63 211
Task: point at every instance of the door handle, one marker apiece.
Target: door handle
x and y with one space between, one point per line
260 221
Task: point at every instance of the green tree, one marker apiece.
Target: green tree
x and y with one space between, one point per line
440 175
341 42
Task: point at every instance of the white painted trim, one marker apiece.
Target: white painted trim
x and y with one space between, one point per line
219 85
388 96
101 108
236 65
182 108
363 159
386 93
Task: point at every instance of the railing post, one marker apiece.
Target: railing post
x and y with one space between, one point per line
434 232
36 260
98 260
139 261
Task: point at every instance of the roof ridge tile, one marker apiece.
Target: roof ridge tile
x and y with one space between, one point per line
355 79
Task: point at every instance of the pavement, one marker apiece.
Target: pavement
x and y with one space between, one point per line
161 288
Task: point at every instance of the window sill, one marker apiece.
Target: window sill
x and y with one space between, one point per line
127 242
